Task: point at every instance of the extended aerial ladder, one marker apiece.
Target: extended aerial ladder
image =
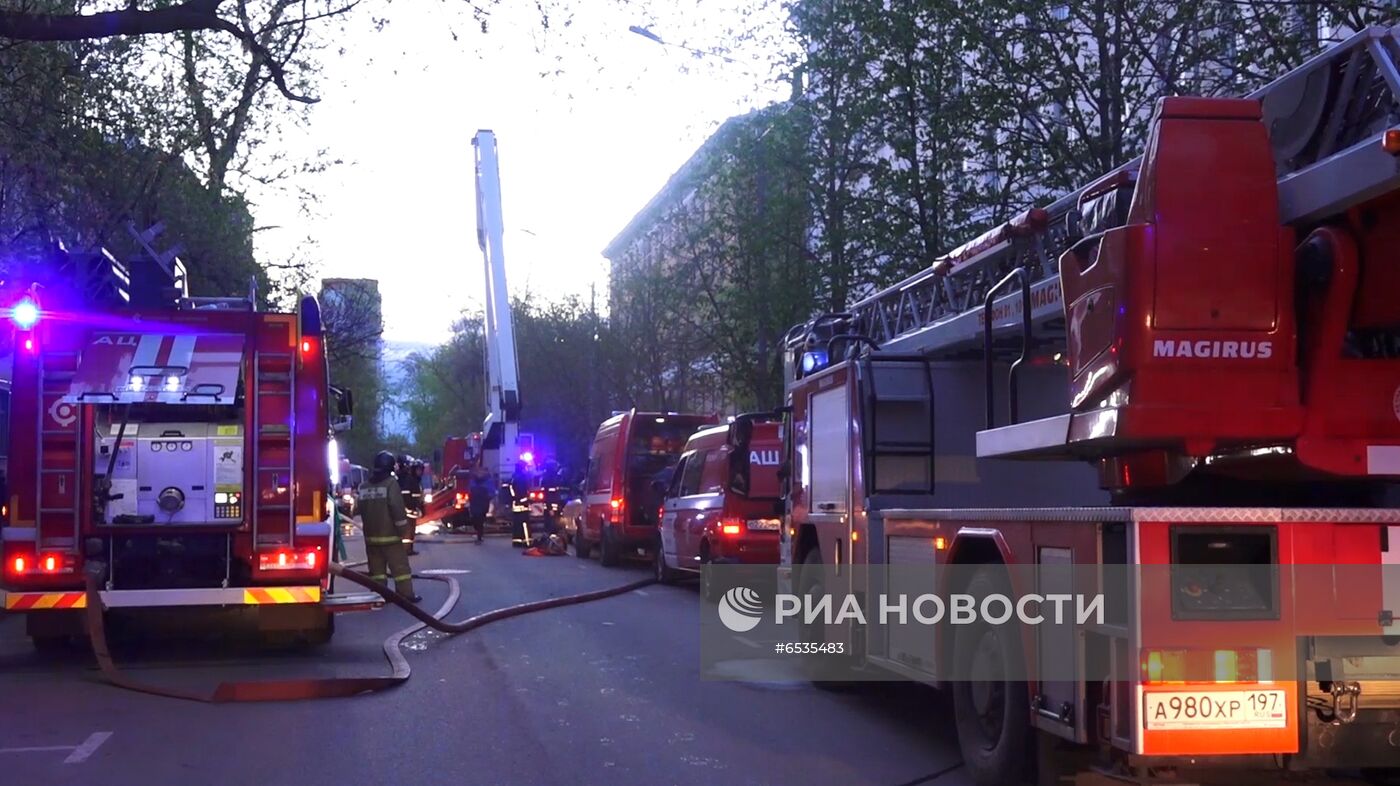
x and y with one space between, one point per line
501 430
1332 130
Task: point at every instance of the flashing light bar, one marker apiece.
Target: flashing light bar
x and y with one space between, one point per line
814 361
25 314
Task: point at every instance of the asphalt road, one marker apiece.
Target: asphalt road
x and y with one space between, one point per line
606 692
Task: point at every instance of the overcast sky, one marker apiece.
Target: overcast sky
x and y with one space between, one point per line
580 152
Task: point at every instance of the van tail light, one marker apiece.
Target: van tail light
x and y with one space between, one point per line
289 560
44 564
1167 667
615 516
731 526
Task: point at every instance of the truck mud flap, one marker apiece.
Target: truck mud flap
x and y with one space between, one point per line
332 687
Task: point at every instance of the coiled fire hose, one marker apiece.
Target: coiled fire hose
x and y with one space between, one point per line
327 687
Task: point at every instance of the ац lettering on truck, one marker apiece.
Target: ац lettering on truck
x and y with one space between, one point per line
1203 429
186 445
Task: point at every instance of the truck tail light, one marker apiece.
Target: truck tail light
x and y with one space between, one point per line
616 515
731 526
289 560
30 565
1166 667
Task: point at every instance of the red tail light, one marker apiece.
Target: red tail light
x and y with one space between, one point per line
23 564
616 515
288 560
732 526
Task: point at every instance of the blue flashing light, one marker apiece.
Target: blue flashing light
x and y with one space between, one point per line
25 314
527 457
813 361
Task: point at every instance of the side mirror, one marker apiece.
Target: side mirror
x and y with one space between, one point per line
740 433
344 408
1074 230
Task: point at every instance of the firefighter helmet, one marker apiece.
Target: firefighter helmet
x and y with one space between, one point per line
384 463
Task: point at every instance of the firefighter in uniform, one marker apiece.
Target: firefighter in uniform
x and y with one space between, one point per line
385 520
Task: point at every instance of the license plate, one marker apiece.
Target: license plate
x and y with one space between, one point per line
1235 709
765 525
536 509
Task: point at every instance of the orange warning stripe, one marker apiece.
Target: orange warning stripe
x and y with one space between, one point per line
35 601
261 595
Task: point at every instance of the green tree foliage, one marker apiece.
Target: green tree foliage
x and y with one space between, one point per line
445 390
933 121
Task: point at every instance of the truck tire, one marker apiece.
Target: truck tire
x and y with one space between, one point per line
826 672
665 574
992 714
581 547
609 551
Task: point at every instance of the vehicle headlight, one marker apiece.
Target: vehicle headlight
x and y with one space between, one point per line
428 498
346 498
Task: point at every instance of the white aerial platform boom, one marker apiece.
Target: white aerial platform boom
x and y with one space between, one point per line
501 431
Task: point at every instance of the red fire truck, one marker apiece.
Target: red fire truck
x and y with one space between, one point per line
1198 361
184 444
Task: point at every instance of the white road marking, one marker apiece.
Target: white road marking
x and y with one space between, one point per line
89 747
644 593
38 749
77 754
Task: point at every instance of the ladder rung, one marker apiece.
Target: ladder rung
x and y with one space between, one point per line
72 510
264 468
273 507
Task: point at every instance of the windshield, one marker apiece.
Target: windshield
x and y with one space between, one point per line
656 444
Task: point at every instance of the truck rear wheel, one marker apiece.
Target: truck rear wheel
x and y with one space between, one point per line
991 708
581 547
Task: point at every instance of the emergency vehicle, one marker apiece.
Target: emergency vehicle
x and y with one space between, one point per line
1192 361
184 444
724 500
631 452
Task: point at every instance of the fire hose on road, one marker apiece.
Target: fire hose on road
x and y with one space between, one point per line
327 687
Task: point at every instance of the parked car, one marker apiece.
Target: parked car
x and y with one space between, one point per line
632 451
724 503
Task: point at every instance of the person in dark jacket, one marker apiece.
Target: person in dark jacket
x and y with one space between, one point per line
412 485
479 494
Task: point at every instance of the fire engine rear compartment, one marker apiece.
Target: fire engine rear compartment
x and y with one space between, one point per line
1307 627
186 452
